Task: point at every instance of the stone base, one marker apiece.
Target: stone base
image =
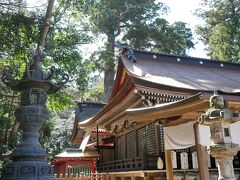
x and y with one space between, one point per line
227 179
28 170
223 154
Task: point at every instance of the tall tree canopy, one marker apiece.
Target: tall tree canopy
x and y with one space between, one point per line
137 24
221 31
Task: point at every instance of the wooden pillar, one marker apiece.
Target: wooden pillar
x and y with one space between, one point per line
168 162
201 156
133 177
112 177
145 177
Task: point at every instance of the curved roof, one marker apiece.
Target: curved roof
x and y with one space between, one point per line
176 74
184 72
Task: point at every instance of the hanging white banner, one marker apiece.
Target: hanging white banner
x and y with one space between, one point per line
174 159
184 160
179 137
183 136
194 160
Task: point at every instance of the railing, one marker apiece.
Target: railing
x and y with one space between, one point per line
139 163
95 176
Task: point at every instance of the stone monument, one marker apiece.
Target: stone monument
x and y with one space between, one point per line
219 118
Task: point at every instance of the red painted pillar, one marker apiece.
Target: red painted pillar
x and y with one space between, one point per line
66 168
61 168
92 167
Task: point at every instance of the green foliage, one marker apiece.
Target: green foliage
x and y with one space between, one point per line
8 103
19 34
161 37
46 132
95 94
221 29
59 101
59 131
136 24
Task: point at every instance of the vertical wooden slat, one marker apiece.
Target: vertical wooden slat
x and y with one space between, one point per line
121 147
141 141
201 155
168 162
136 143
151 139
131 147
158 139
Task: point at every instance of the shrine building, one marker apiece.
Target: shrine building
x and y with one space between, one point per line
149 128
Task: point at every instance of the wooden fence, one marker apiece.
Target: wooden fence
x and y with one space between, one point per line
96 176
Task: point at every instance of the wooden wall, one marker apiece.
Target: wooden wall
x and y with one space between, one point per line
133 144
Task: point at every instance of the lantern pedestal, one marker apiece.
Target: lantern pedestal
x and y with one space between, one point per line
223 155
30 158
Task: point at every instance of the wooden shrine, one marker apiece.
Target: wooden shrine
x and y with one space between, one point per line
152 92
74 162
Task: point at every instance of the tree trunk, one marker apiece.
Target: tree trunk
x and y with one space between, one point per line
46 24
109 71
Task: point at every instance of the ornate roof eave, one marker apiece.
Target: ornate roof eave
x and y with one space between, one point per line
177 112
122 77
123 99
141 83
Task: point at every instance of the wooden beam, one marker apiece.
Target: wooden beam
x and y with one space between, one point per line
201 155
177 122
179 110
168 162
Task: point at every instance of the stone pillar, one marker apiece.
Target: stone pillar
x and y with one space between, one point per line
222 148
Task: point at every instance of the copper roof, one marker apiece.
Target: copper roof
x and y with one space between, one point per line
184 72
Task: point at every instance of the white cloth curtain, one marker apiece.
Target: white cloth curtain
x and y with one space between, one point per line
179 137
182 136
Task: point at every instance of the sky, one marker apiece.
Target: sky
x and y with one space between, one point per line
182 10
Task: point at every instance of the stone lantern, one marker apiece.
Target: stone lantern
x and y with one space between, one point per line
219 118
29 158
